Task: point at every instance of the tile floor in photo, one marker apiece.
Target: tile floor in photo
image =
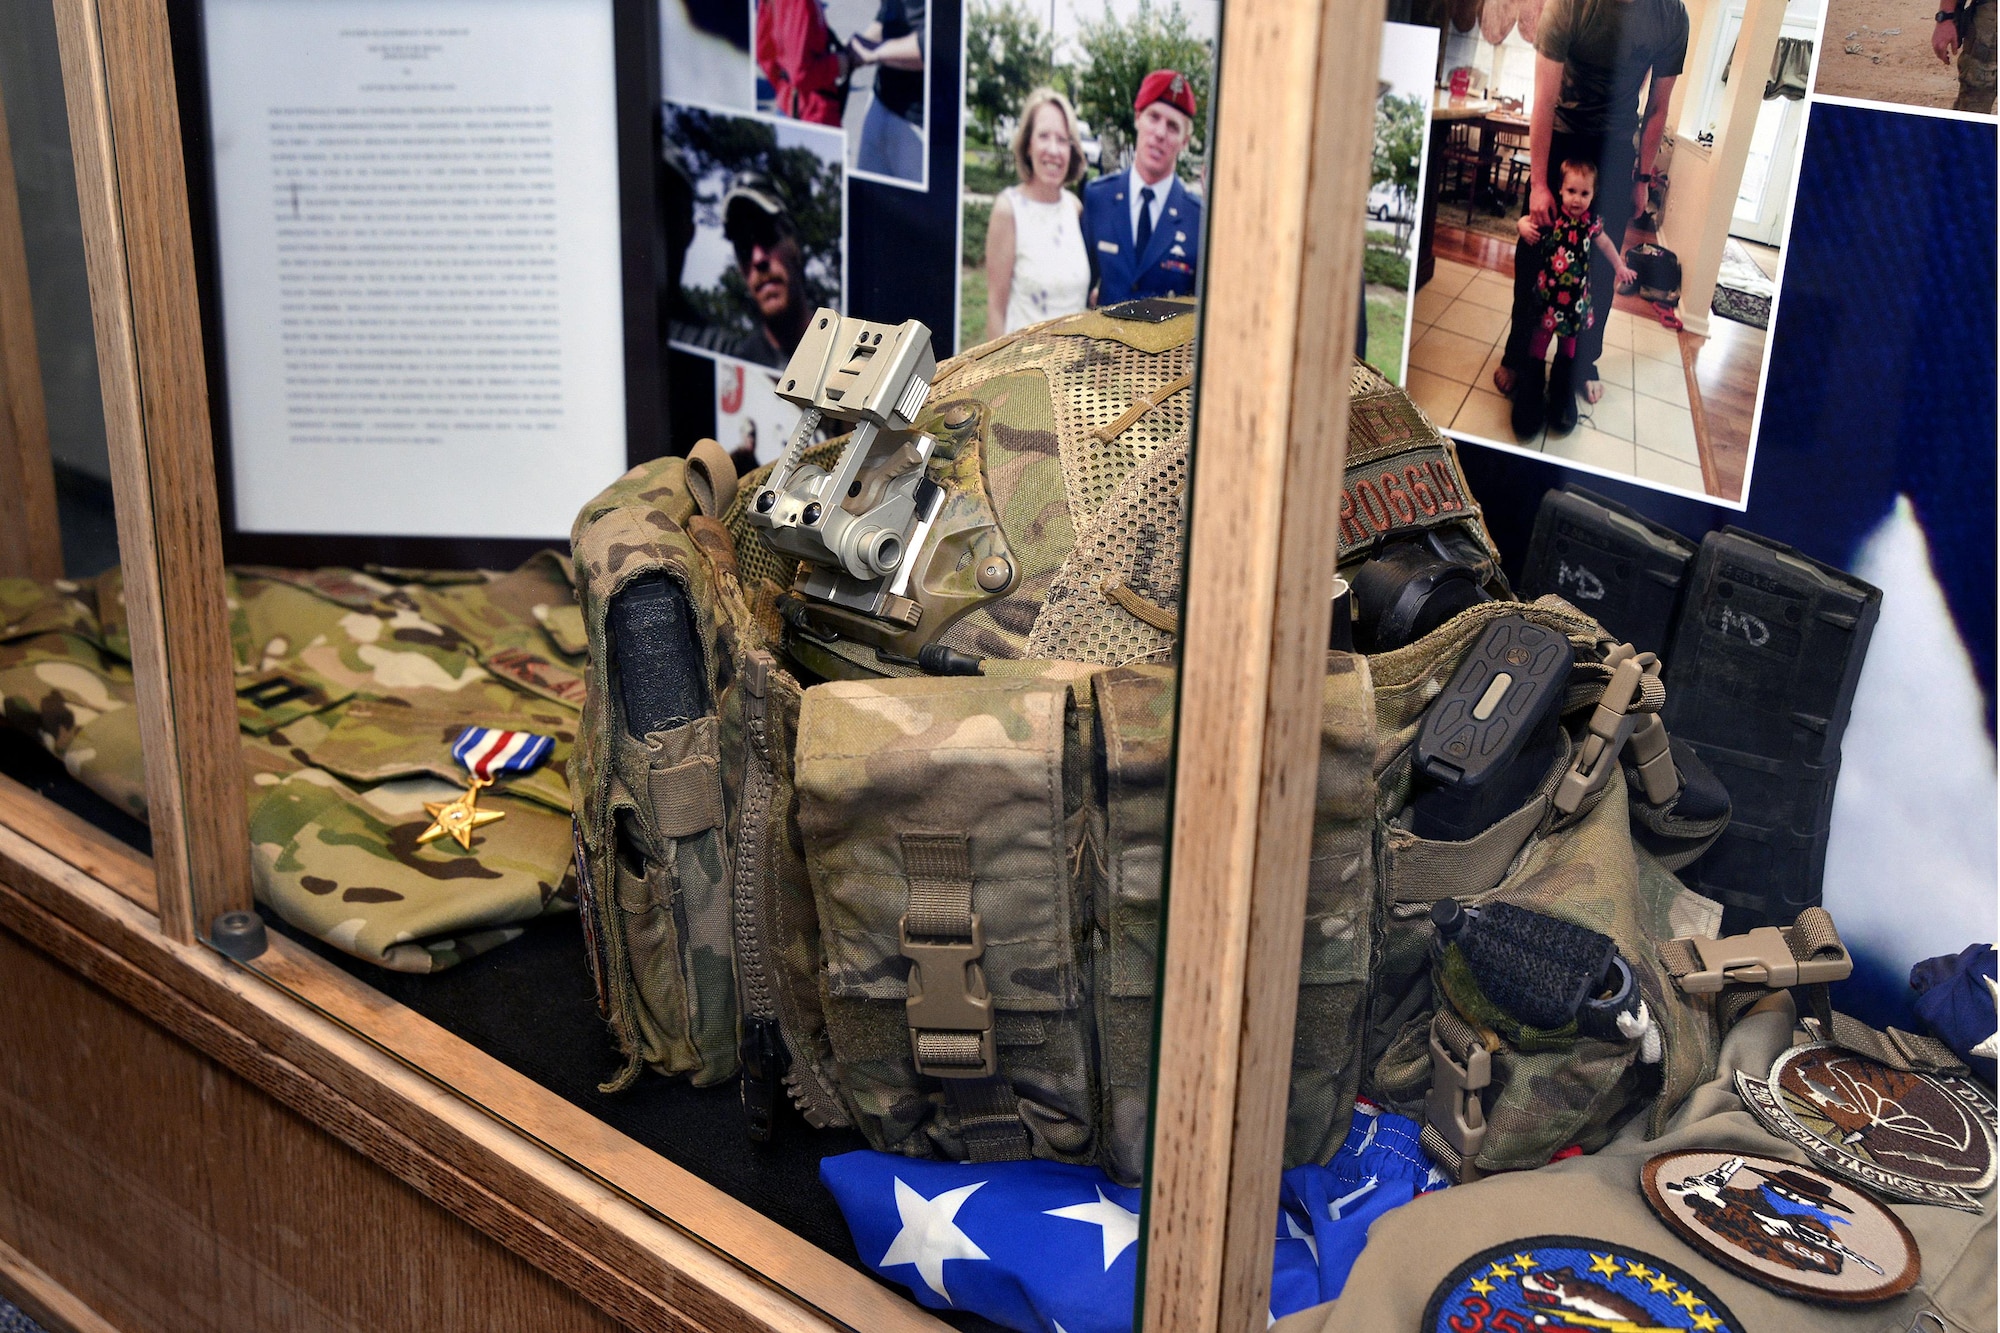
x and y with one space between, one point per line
1642 427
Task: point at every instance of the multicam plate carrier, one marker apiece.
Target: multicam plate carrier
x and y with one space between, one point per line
925 902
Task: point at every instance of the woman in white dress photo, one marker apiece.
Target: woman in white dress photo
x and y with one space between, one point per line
1036 266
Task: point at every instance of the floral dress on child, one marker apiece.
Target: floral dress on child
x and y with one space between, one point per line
1564 281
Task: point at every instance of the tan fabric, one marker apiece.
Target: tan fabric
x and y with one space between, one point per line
1411 1250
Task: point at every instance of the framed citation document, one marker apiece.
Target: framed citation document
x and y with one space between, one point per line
431 241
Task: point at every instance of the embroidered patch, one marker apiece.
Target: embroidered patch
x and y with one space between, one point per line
1924 1138
1572 1282
1783 1226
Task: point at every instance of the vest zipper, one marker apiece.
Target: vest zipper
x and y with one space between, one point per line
762 1053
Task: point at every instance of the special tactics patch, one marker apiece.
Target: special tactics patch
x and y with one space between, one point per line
1783 1226
1924 1138
1571 1282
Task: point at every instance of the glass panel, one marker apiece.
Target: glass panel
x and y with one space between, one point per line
71 724
1533 818
821 855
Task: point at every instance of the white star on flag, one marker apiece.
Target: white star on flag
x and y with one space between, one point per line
1297 1232
1338 1208
1990 1048
929 1235
1121 1225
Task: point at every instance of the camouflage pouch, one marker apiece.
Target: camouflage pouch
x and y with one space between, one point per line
647 778
1133 754
1583 868
941 819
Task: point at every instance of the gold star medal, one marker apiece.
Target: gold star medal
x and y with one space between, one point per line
486 753
457 819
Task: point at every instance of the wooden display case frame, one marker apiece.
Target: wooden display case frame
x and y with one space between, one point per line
579 1212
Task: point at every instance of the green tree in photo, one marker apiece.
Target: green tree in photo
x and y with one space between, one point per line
1008 54
1399 146
1120 53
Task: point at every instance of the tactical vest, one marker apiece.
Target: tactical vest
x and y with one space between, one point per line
908 875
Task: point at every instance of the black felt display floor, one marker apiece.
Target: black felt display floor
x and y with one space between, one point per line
530 1005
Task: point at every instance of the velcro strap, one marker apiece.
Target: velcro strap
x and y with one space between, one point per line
989 1119
687 798
939 866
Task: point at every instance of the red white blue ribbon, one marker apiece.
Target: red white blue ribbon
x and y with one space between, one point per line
488 753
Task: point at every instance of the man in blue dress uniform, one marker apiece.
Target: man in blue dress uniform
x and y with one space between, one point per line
1141 226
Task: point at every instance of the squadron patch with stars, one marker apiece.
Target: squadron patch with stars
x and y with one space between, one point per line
1571 1284
1921 1138
1783 1226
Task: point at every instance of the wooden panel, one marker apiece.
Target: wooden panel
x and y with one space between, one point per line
166 1193
43 1299
80 843
30 540
401 1098
1294 128
125 134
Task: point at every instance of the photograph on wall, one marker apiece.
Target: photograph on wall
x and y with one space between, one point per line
1937 57
859 66
1396 173
705 53
756 231
751 421
1085 156
1606 300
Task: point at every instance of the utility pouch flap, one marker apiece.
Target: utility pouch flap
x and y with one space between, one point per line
371 741
885 766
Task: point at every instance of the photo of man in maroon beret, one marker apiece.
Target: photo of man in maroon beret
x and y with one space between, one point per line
1142 226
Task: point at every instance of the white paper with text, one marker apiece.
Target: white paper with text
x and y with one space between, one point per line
417 206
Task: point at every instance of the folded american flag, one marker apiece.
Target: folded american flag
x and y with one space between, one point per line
1044 1247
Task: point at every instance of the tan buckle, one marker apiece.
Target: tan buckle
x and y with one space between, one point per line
1760 957
1452 1107
1620 710
948 1004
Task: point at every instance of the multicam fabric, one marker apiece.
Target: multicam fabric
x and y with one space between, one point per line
1584 869
1070 440
351 689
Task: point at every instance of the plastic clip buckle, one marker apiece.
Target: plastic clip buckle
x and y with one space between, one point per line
1760 957
947 995
1452 1107
1620 712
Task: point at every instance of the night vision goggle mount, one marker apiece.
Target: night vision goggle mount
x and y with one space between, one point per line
859 527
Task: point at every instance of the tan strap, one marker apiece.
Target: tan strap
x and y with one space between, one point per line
1806 953
1425 872
939 867
1454 1113
1141 405
948 1006
711 478
1167 622
1804 957
1910 1052
687 798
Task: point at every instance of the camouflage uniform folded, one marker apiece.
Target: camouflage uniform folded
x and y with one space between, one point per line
351 688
